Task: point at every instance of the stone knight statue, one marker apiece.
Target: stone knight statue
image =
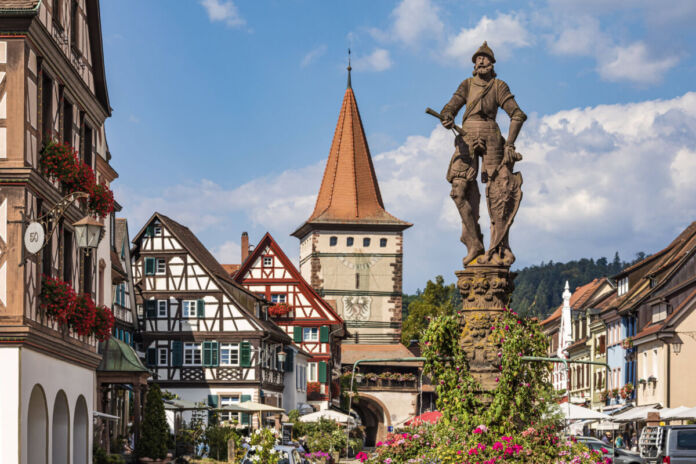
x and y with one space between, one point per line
480 136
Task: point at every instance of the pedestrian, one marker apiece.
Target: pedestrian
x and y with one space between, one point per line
619 442
605 438
634 442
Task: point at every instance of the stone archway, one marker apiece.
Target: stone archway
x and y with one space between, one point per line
37 427
60 435
81 432
375 418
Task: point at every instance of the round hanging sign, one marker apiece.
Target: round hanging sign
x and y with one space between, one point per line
34 237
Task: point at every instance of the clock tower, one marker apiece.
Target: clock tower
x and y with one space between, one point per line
351 248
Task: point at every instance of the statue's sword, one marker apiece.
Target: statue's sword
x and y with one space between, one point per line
455 127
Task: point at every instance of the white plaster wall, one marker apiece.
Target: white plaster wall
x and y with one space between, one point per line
291 396
9 405
401 406
53 375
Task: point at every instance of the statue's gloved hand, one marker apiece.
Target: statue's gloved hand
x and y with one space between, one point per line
447 121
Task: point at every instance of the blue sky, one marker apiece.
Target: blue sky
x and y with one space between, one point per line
224 113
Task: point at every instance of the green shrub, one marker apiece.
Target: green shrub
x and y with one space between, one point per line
154 431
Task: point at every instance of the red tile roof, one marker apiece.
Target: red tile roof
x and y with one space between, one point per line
231 268
579 297
352 353
349 191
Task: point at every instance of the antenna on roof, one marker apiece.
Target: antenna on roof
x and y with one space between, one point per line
349 69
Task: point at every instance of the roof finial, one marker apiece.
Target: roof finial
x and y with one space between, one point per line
349 68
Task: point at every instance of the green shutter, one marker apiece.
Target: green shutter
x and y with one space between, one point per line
215 351
207 353
150 309
177 353
200 308
245 354
151 358
213 401
149 266
289 359
150 230
246 418
297 334
324 334
322 372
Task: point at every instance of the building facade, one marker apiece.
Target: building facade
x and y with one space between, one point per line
206 338
52 88
296 307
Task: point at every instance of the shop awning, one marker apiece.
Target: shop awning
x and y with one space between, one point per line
639 413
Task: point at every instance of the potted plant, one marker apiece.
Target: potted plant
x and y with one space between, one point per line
604 395
615 393
627 343
652 379
629 388
154 435
279 310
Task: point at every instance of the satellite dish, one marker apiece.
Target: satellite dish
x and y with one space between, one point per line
34 237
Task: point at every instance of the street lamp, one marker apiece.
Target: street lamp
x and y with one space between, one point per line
358 377
677 346
282 356
88 232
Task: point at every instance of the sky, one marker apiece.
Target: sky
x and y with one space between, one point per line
224 112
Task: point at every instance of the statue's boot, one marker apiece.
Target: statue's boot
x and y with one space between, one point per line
475 248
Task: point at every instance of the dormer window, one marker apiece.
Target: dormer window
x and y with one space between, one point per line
267 261
349 241
333 241
623 286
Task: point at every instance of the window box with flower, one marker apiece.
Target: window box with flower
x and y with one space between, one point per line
279 310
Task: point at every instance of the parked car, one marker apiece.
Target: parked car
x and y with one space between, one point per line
618 456
288 455
671 444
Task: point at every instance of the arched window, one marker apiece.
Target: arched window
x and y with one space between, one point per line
37 427
80 432
60 443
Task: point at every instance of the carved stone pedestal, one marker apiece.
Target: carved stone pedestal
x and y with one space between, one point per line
485 291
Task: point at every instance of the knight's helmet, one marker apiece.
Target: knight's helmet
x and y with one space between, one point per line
484 50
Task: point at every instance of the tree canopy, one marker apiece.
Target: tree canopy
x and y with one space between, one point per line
437 299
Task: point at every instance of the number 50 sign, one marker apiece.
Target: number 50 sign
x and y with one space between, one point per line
34 237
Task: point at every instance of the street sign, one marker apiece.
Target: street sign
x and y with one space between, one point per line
34 237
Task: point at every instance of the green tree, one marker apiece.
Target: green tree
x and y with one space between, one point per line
436 300
154 431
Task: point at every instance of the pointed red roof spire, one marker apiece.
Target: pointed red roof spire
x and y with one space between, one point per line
349 191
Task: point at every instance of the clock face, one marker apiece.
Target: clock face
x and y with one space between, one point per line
357 308
359 263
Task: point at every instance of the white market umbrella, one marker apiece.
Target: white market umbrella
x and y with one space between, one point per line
251 406
673 413
575 412
329 414
604 425
688 414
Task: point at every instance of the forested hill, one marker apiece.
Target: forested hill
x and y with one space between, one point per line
538 289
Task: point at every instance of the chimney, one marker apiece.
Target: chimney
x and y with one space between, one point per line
245 246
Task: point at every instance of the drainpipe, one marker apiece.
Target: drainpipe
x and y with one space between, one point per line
668 379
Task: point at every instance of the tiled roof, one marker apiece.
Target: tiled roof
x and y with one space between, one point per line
577 344
555 315
231 269
579 297
352 353
656 327
349 191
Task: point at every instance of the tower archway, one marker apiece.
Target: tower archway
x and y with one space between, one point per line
375 418
37 427
60 435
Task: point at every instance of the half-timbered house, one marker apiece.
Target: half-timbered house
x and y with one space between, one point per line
52 86
206 338
311 322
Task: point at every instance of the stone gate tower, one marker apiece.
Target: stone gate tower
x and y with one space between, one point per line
351 248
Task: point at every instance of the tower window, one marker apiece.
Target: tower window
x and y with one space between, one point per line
366 242
382 242
349 241
333 241
357 280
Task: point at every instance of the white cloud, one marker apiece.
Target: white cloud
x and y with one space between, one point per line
224 11
596 180
415 20
378 60
635 63
503 34
313 55
229 252
579 37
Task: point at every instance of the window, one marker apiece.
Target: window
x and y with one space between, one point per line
162 308
312 372
349 241
67 122
192 354
227 400
278 298
686 439
74 27
162 354
654 363
357 280
67 256
157 230
267 261
188 308
301 378
311 334
366 242
623 286
382 242
229 354
659 312
87 272
333 241
161 266
56 12
47 106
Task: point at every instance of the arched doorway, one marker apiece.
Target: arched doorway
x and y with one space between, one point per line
375 418
80 432
37 427
60 443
